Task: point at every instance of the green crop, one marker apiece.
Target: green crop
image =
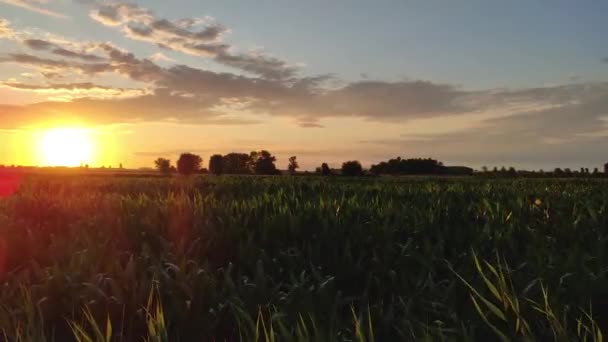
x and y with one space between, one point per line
303 259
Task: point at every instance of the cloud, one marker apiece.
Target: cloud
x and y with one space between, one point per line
575 131
38 44
160 57
160 105
194 36
71 91
34 6
5 30
52 65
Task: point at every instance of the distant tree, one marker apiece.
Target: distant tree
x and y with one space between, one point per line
262 163
484 169
216 164
596 171
325 170
293 165
558 172
413 166
189 163
352 168
235 163
495 169
512 171
567 171
162 165
120 166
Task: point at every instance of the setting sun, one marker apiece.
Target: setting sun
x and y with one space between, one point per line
65 147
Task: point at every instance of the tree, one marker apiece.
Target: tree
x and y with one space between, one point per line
262 163
413 166
235 163
325 170
216 164
162 165
293 165
189 163
352 168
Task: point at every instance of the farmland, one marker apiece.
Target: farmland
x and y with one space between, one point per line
303 259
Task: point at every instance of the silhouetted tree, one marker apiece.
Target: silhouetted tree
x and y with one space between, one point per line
512 171
120 166
162 165
216 163
235 163
262 163
596 171
325 170
293 165
416 166
189 163
352 168
484 169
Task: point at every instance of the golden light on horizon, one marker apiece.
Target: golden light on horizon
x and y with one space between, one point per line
66 146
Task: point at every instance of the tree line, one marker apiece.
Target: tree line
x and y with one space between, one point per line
257 162
263 163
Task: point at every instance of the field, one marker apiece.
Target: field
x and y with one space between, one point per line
303 259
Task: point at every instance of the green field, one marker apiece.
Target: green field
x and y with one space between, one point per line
303 259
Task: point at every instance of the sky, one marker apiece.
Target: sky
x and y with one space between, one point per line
514 83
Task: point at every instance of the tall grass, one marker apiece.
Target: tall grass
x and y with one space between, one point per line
303 259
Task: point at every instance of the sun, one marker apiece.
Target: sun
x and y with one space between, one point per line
65 147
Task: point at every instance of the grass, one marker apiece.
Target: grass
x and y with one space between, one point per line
303 259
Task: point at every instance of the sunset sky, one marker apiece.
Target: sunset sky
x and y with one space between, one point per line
522 83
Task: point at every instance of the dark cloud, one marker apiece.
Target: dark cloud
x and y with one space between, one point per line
43 45
38 44
51 65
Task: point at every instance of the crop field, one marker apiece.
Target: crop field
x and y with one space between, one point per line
234 258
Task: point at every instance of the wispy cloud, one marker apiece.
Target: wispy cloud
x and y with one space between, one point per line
194 36
34 6
71 91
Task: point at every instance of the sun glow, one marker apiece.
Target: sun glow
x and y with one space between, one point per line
65 147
